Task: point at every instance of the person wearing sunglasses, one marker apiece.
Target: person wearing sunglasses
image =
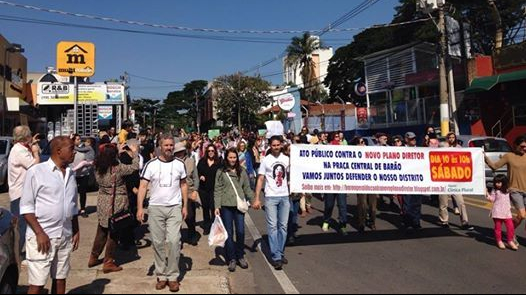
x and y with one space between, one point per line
207 170
516 162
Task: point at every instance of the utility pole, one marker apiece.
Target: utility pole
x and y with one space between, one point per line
197 114
444 97
125 80
239 103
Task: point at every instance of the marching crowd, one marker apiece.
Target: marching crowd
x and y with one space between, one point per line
173 174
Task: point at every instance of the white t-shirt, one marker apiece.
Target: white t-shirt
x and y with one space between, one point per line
276 172
165 181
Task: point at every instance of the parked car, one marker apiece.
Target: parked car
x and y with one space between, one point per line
494 148
9 254
5 147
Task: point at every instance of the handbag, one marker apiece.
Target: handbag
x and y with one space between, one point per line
118 221
242 205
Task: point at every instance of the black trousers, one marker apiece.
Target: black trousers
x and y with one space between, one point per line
82 184
207 200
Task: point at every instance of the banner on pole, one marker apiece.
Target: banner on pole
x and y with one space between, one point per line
387 170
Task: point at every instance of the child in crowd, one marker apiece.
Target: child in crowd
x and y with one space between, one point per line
501 212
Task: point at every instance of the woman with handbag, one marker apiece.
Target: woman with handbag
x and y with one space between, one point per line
232 190
112 204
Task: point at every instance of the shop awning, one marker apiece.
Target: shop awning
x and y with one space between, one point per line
14 104
486 83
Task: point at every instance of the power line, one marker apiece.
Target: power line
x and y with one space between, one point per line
330 28
202 37
351 14
155 80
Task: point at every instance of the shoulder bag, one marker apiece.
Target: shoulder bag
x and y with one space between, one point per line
118 221
242 204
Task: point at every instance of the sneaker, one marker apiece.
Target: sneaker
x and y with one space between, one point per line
344 230
467 227
278 265
242 263
516 242
84 214
284 260
325 227
232 266
457 212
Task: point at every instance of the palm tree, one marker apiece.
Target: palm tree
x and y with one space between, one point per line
299 55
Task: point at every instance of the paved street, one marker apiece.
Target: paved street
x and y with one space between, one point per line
386 261
434 260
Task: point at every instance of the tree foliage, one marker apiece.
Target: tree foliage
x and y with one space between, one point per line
344 68
237 94
299 56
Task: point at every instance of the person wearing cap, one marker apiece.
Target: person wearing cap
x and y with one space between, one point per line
183 152
412 203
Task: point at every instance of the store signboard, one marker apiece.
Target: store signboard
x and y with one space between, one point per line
63 94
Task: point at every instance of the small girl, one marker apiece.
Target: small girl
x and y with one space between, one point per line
501 212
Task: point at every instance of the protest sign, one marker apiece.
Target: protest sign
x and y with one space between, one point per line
387 170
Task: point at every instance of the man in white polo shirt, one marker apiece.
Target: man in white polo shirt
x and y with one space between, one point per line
49 206
166 178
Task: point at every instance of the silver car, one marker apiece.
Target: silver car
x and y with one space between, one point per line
494 147
5 148
9 254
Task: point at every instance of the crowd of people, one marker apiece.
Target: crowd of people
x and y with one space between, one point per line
175 173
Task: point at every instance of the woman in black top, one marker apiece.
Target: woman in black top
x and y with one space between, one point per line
207 170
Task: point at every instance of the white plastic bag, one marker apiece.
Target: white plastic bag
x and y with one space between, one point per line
218 234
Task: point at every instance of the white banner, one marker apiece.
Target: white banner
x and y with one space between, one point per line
386 170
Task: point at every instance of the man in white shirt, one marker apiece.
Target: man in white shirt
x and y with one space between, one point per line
49 206
274 172
23 156
166 178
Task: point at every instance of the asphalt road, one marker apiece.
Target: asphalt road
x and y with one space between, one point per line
434 260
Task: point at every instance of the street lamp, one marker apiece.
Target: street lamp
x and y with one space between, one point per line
322 116
11 48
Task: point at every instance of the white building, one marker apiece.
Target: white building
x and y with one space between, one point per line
320 57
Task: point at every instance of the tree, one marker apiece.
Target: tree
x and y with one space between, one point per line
180 107
240 98
299 55
344 68
144 110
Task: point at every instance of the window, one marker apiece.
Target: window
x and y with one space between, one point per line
3 147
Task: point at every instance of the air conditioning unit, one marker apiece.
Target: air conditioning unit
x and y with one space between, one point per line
428 6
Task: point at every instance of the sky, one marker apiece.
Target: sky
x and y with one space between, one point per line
177 60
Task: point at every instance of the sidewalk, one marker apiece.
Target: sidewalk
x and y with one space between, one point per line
201 271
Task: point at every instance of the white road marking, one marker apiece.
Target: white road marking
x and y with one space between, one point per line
281 276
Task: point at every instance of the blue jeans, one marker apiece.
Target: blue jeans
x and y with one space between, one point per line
293 217
232 217
277 211
330 200
22 225
412 210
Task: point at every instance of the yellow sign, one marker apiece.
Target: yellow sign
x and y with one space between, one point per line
75 59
